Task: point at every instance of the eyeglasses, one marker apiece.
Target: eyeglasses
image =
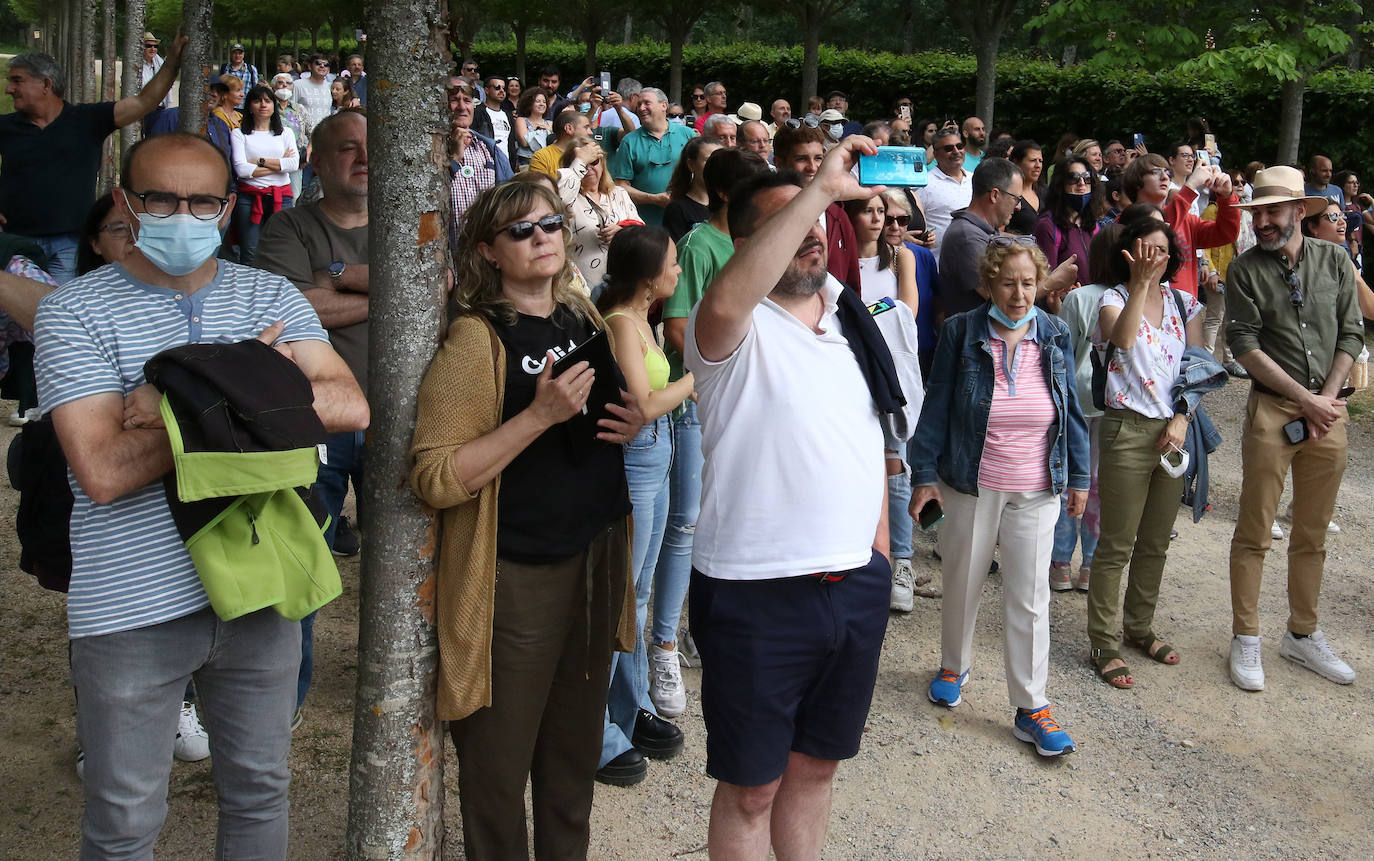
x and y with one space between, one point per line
117 229
1160 173
1079 176
811 121
1187 155
948 148
1294 288
1334 217
1020 201
522 230
1009 241
1116 150
163 204
899 220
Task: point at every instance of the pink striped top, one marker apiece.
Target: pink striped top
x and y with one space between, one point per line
1017 446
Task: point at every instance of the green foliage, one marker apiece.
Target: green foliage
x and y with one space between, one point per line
1035 99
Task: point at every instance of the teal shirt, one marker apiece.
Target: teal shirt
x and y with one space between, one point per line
701 254
648 162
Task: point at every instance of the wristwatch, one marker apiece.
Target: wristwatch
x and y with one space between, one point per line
336 270
262 162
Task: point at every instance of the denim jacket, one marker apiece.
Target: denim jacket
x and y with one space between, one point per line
948 442
1198 374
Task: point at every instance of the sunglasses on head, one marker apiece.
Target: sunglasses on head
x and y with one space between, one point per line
811 121
522 230
1009 241
899 220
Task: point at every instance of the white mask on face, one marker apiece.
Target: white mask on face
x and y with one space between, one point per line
284 93
835 130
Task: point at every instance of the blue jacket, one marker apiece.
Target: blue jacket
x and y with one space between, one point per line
948 443
500 163
1198 374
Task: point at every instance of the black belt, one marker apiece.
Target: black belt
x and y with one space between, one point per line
1256 385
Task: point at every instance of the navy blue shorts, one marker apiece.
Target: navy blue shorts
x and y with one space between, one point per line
788 665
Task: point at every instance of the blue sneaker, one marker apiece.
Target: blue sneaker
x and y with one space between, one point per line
946 689
1038 728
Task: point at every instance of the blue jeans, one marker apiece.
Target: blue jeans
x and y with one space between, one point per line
646 470
673 572
247 230
129 687
61 251
1068 531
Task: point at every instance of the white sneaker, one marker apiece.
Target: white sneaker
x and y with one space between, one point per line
665 683
192 742
18 419
1315 653
1246 670
903 582
1276 531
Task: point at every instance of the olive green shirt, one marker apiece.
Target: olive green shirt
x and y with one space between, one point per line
1261 314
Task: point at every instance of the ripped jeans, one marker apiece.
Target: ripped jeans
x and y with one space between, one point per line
674 569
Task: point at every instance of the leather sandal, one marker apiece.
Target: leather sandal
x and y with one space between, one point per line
1161 654
1115 676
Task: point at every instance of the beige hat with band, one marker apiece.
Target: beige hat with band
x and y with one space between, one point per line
1283 184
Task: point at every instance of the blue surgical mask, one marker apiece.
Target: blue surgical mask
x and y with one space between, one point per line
1079 202
585 107
179 243
996 313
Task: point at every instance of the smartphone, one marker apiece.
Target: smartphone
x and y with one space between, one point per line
1139 140
1295 431
904 111
1209 142
1345 392
605 82
931 513
901 166
883 304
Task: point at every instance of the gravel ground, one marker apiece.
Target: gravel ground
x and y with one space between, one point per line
1183 766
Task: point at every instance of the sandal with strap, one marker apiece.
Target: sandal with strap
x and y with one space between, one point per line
1161 654
1116 677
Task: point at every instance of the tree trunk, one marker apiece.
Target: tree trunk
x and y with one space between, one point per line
522 31
135 21
811 61
985 88
629 28
908 25
675 45
85 68
197 21
1290 121
593 35
396 787
109 90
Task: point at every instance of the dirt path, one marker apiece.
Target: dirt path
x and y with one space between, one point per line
1185 765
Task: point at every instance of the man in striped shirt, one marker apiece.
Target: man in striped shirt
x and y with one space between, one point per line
139 620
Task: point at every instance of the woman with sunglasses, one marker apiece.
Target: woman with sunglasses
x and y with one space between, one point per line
1067 225
1001 436
1146 325
264 156
697 107
534 586
898 230
596 207
687 198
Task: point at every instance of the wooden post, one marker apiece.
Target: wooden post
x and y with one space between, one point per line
396 787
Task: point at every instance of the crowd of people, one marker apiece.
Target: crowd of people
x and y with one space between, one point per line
748 380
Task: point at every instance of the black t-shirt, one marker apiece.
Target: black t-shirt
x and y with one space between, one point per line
681 215
567 486
47 178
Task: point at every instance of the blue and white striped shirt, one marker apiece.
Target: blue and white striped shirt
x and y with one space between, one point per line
130 568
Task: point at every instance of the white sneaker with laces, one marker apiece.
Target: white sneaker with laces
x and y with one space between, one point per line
1315 653
1276 531
903 583
192 742
1247 671
665 683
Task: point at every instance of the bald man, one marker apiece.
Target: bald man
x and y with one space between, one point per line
139 620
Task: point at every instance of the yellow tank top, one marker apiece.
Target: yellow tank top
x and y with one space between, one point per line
655 363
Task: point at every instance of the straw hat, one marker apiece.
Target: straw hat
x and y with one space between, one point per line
1283 184
150 39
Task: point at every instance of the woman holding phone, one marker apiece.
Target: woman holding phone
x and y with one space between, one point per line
534 588
1147 325
1001 436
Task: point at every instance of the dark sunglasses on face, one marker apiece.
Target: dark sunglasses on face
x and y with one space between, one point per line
951 148
698 96
1334 217
675 116
522 230
1079 176
899 220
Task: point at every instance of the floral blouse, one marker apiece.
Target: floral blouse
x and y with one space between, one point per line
1141 379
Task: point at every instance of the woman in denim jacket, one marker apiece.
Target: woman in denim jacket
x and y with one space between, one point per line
1001 436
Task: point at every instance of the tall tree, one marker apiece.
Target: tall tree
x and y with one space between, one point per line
676 17
592 19
811 15
396 786
520 15
983 22
197 21
109 89
135 14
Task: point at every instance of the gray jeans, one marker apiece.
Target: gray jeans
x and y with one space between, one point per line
129 687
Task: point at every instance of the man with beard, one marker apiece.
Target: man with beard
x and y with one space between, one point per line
975 138
790 581
1293 322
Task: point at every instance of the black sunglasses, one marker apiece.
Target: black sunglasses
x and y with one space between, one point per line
811 121
1009 241
675 116
522 230
696 96
950 147
899 220
1294 288
1079 176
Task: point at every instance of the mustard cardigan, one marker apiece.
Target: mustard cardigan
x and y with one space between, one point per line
460 400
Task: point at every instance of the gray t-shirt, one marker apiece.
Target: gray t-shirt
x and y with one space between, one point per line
298 242
961 255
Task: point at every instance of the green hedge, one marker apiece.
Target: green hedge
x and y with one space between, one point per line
1035 98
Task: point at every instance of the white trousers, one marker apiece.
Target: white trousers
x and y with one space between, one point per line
1023 524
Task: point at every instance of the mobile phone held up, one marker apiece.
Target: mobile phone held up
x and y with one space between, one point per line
605 83
1138 140
898 166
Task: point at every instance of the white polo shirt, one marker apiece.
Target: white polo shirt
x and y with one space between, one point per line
940 198
793 478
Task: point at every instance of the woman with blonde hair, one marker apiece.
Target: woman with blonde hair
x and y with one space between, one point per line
533 589
595 205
